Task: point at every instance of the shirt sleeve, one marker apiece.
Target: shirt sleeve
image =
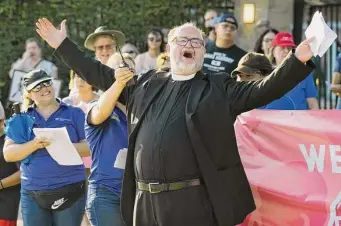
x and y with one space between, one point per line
310 88
90 106
79 123
337 67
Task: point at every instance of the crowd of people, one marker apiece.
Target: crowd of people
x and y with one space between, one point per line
104 110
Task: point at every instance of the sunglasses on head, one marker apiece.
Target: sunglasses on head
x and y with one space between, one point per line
38 87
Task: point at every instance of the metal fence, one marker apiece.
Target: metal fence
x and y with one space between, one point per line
324 72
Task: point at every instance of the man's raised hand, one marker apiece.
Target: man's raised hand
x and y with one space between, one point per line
53 36
303 51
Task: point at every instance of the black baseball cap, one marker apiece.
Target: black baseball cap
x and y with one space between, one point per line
224 18
253 63
34 77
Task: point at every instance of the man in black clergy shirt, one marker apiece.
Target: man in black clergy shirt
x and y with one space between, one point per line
183 167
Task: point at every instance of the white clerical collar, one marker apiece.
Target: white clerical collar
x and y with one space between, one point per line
176 77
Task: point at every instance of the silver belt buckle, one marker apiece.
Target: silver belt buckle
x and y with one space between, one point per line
151 189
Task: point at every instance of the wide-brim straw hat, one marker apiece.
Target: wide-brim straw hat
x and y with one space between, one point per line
119 37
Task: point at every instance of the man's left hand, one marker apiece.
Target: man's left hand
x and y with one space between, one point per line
303 51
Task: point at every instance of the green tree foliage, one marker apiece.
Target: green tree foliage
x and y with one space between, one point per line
133 17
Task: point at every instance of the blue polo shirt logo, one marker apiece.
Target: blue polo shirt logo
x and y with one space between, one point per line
63 119
115 117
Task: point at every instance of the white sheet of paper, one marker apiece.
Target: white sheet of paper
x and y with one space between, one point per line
120 161
324 36
61 148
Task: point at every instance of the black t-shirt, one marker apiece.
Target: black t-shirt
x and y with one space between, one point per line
9 197
221 59
163 151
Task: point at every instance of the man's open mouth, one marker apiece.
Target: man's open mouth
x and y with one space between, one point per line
188 54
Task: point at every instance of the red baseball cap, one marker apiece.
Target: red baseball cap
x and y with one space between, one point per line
283 39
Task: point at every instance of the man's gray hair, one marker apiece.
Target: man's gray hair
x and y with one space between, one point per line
188 24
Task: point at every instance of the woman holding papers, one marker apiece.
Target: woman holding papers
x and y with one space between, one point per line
107 136
52 194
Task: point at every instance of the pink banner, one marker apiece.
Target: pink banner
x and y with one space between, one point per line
293 162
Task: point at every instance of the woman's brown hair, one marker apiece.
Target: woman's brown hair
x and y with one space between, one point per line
72 78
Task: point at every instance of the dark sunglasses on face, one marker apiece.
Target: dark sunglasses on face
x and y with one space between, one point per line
107 47
38 87
152 39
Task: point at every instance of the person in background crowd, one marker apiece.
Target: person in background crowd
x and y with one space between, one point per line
255 66
130 49
209 26
165 32
51 194
223 55
336 84
263 43
104 42
304 94
193 181
107 134
155 45
32 58
84 93
9 183
163 62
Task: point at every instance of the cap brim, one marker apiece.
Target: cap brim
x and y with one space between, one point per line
32 85
119 38
286 45
245 70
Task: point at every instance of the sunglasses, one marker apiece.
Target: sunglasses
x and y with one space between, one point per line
107 47
38 87
152 39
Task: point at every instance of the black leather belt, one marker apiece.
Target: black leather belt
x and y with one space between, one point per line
157 187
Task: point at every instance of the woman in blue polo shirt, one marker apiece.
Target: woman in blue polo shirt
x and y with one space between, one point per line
107 136
51 194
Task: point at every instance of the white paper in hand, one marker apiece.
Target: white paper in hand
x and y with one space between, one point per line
324 36
61 148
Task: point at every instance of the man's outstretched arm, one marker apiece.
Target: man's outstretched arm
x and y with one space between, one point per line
92 71
245 96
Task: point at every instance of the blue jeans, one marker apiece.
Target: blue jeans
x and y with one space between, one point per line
103 207
338 106
34 215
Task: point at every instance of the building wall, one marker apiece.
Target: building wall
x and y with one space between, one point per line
278 12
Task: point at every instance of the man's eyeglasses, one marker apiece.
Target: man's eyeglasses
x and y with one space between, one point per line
182 41
38 87
107 47
152 39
